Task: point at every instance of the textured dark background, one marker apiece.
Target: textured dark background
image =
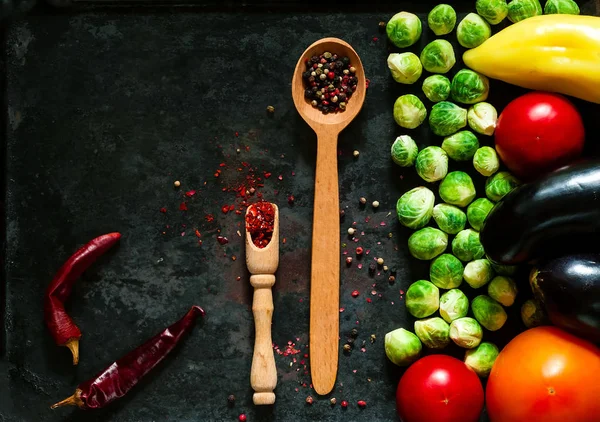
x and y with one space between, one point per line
105 108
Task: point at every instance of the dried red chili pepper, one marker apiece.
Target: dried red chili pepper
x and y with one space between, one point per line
260 223
121 376
60 324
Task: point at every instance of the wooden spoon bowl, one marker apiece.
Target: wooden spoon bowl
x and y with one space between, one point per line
325 260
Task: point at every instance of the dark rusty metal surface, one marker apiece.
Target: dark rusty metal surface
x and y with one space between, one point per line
105 109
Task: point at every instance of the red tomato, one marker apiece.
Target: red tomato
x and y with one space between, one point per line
537 133
439 388
545 374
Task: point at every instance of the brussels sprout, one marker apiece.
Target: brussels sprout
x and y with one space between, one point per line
466 332
457 189
469 87
561 7
493 11
461 146
482 118
466 245
442 19
406 68
472 31
433 332
427 243
449 218
478 211
438 56
409 111
446 271
415 207
432 164
404 29
481 359
486 161
488 312
453 305
478 273
503 289
422 299
533 314
523 9
500 184
404 151
447 118
436 88
504 269
402 347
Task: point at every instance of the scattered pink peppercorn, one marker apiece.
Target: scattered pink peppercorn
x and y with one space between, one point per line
355 293
359 250
362 404
348 260
344 404
242 418
309 400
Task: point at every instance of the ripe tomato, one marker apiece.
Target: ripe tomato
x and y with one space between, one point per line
439 388
537 133
545 374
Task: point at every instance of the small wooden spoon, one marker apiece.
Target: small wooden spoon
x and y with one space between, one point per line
262 264
325 270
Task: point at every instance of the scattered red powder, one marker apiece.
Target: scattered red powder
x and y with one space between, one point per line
190 193
163 210
209 218
183 206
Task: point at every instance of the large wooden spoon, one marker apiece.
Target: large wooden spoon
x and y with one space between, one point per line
325 268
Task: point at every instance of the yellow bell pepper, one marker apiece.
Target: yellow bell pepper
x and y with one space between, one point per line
558 53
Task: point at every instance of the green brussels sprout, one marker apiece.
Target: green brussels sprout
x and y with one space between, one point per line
466 332
433 332
427 243
533 314
478 211
561 7
450 219
453 305
466 245
481 359
406 67
446 271
461 146
482 118
472 31
447 118
404 151
402 347
457 189
503 289
438 56
486 161
478 273
499 185
422 299
506 270
469 87
493 11
441 19
432 164
436 88
523 9
404 29
415 207
409 111
488 312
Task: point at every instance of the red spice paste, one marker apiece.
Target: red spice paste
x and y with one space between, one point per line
260 223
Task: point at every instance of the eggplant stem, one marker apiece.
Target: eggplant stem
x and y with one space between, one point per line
73 345
74 400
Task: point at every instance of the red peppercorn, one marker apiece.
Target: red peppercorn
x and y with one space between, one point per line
344 404
315 66
242 418
362 404
355 293
348 260
359 250
325 103
331 75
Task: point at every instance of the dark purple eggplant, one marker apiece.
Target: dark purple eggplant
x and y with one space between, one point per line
556 215
569 289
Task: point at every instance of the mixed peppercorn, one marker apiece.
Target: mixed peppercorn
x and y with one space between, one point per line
330 81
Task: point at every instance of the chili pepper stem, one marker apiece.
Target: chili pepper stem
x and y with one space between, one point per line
73 345
74 400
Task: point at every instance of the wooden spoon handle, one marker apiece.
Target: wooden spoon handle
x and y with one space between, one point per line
325 270
263 374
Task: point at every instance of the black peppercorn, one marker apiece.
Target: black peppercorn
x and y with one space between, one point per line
314 59
342 213
341 97
354 333
350 341
231 400
346 60
308 93
306 75
372 268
